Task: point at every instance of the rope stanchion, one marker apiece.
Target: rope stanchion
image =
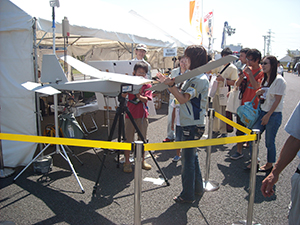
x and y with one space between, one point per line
138 147
253 177
207 184
252 181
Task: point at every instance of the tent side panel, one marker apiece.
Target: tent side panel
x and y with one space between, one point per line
17 115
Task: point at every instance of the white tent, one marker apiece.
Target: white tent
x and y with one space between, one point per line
16 66
286 59
92 23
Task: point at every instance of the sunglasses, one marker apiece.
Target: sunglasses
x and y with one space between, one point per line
264 63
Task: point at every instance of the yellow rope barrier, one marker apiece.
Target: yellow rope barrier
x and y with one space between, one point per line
66 141
198 143
233 124
127 146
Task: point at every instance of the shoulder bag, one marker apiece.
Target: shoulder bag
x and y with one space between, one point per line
248 114
233 100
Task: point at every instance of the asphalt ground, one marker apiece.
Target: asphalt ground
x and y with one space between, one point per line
56 198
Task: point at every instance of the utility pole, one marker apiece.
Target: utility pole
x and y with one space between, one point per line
269 42
265 40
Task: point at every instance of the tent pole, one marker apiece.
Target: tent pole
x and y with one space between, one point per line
131 50
53 28
36 77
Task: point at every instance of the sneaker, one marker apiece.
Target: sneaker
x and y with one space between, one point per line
127 168
236 156
168 140
176 158
146 166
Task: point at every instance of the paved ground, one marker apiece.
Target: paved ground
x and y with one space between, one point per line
57 199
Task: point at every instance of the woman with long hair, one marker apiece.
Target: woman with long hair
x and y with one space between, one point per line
192 99
271 98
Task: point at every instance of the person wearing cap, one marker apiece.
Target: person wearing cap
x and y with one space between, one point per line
140 52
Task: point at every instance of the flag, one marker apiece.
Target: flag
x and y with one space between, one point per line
208 29
196 18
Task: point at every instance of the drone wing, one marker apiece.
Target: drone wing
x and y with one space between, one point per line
195 72
105 76
48 90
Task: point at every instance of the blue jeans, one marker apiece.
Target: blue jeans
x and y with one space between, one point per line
191 174
271 130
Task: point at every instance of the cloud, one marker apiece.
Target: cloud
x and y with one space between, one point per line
295 25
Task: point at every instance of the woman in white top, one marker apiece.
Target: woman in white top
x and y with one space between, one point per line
271 98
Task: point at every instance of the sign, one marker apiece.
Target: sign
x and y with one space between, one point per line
170 52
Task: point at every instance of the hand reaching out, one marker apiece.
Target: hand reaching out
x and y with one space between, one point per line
164 79
267 185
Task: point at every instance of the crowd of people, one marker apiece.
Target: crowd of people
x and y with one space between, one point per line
259 78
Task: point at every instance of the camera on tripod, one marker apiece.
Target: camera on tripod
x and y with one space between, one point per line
125 88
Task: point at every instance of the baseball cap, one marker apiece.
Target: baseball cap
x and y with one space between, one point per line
141 46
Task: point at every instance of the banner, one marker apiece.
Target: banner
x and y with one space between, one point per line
208 29
196 18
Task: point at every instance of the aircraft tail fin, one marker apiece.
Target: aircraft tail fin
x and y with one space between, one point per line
52 71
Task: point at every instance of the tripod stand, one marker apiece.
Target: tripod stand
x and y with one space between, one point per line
63 153
122 108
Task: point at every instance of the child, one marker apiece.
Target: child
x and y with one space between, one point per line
137 106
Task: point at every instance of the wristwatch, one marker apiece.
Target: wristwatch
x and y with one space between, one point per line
172 85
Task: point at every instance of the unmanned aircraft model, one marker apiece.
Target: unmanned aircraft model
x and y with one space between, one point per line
110 84
195 72
54 79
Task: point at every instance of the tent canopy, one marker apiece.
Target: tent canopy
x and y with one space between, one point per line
102 31
286 59
92 22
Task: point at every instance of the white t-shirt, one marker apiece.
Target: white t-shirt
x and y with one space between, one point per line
175 104
278 87
292 127
174 73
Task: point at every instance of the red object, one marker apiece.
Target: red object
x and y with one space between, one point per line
167 140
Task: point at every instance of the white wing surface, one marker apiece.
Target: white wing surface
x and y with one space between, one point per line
195 72
105 76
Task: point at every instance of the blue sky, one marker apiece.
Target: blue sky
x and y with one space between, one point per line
252 20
